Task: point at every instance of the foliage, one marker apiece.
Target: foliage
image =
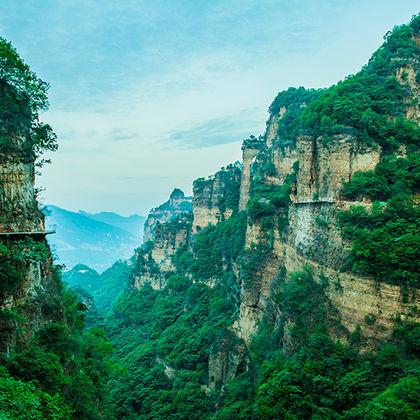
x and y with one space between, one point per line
253 142
10 276
385 237
330 380
400 401
363 102
155 331
217 247
29 249
22 96
230 180
182 260
385 240
144 261
19 75
291 103
321 378
252 259
372 102
398 49
391 176
20 400
60 371
104 287
14 256
266 199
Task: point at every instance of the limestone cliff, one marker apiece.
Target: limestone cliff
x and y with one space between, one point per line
290 188
319 165
250 149
154 259
177 205
216 198
26 261
19 208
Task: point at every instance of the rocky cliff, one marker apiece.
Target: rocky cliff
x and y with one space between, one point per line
327 156
26 266
177 205
22 228
19 209
154 261
216 198
319 165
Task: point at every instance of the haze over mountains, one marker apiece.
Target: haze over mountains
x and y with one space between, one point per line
97 240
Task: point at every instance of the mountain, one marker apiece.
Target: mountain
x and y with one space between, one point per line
81 239
132 224
177 205
292 290
105 287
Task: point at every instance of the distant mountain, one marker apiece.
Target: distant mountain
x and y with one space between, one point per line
132 224
83 239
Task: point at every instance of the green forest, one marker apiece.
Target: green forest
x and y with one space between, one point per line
109 347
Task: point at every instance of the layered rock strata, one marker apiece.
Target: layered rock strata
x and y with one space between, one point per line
177 205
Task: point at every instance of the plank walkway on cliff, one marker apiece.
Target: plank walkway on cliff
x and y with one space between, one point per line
49 231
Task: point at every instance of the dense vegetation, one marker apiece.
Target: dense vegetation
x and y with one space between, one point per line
155 332
291 103
370 104
386 236
217 247
320 378
22 97
164 339
104 287
61 371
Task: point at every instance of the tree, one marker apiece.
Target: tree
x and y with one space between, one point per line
22 96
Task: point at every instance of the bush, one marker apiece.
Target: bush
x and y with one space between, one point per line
386 240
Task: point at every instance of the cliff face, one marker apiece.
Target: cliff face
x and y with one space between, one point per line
19 208
177 205
313 237
216 198
291 189
249 153
26 260
154 261
167 229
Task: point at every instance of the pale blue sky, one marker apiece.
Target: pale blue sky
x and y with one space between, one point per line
149 95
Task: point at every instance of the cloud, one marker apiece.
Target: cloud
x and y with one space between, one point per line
215 132
148 95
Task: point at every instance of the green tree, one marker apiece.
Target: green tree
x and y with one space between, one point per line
23 96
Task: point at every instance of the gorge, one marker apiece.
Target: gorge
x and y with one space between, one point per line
285 287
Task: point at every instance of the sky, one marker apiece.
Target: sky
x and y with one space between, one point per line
148 95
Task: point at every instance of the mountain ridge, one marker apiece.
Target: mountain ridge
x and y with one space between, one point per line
82 239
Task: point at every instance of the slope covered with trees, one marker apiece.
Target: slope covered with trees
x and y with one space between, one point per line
183 343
